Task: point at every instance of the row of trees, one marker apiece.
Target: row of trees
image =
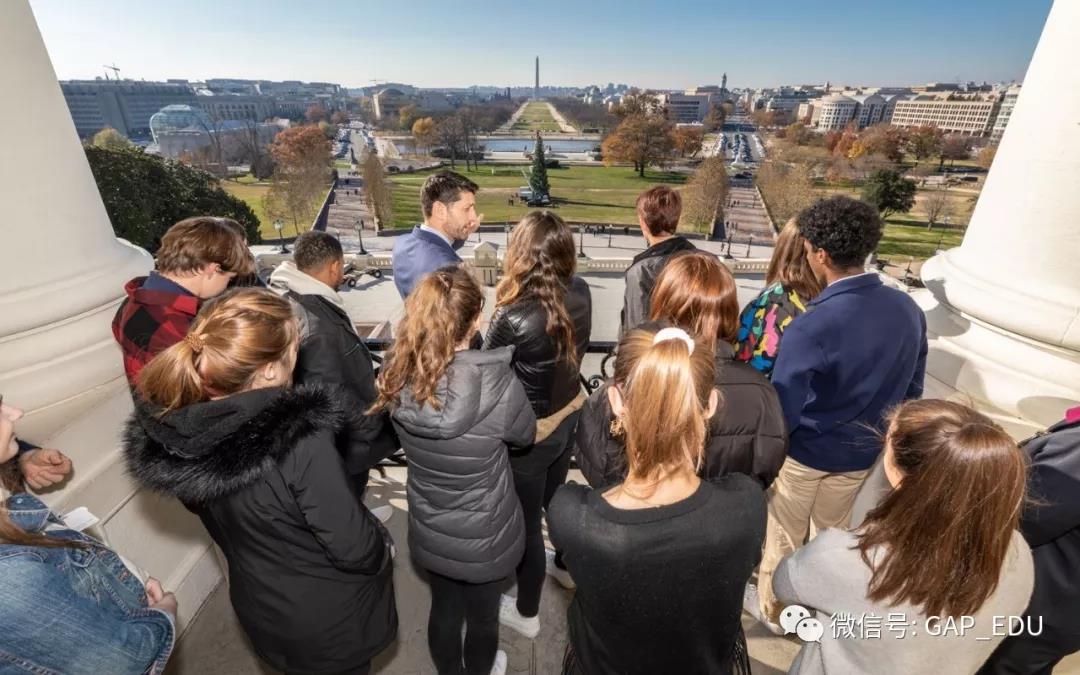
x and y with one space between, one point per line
645 136
301 173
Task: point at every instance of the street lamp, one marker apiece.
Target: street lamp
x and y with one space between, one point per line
280 226
360 234
581 241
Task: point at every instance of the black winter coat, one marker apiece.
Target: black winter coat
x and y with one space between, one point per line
1051 526
333 355
641 279
746 435
310 571
465 520
550 382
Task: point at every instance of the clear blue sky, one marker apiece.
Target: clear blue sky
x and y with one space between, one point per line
668 44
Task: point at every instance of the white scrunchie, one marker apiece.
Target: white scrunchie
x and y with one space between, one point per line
674 334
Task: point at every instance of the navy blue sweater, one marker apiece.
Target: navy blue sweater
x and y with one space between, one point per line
418 253
859 350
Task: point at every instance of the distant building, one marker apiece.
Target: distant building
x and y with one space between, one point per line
684 108
1008 102
833 112
871 109
124 105
183 129
969 117
236 106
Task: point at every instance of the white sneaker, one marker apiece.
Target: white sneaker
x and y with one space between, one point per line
383 513
499 667
752 605
557 573
510 617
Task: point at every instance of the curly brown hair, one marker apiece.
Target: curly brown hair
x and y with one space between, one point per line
539 264
440 313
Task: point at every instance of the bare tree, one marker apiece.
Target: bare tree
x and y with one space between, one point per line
703 197
786 189
937 206
450 133
377 190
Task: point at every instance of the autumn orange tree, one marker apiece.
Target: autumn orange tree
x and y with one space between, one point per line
424 132
640 140
687 140
302 170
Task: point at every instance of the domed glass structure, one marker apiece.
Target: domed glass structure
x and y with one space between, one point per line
178 118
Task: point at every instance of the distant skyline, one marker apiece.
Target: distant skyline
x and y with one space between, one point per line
669 45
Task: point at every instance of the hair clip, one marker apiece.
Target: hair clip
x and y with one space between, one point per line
672 333
195 341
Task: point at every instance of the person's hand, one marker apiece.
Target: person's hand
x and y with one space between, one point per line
44 467
157 598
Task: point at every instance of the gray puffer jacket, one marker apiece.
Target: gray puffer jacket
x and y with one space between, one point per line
465 521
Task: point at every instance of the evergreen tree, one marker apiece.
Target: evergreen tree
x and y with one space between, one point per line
538 180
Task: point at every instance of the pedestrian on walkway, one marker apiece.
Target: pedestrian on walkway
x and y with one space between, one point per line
544 311
219 428
457 412
858 351
941 546
790 283
660 558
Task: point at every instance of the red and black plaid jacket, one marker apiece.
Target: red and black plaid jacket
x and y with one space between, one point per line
149 322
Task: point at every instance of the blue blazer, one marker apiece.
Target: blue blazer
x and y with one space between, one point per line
859 350
419 253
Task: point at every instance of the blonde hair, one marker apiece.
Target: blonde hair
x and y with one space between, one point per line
233 336
665 390
540 262
697 292
789 265
439 314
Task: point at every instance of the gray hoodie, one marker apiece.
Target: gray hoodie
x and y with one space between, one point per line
465 521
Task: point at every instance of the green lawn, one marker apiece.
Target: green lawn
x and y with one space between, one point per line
581 194
902 240
252 192
536 117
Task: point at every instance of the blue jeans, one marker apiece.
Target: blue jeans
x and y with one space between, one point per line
74 610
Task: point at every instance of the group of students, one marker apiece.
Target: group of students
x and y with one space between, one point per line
724 441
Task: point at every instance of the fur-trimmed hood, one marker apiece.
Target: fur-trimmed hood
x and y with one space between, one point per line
212 449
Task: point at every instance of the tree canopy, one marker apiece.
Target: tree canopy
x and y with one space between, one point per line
145 195
889 192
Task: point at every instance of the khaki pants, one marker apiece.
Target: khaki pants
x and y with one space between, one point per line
801 495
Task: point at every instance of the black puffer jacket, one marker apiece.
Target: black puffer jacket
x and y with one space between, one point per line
310 572
641 279
746 435
550 383
465 521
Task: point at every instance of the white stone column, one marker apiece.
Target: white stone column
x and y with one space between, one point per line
1005 305
61 279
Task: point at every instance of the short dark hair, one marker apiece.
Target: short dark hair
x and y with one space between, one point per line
848 229
193 243
314 249
660 208
445 187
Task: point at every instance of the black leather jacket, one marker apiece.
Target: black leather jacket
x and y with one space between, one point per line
549 383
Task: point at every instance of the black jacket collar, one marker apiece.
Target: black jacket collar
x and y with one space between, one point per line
212 449
665 248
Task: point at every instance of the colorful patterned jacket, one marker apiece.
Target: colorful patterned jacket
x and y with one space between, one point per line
149 322
762 324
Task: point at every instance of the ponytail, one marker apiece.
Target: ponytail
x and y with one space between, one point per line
439 314
665 387
233 336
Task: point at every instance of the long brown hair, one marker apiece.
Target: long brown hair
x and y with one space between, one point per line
789 265
697 292
196 242
233 336
945 530
539 264
11 479
439 314
665 389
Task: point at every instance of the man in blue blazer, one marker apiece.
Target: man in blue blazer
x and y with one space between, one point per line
857 352
448 201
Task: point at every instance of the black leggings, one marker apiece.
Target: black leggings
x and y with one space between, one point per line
477 605
535 482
